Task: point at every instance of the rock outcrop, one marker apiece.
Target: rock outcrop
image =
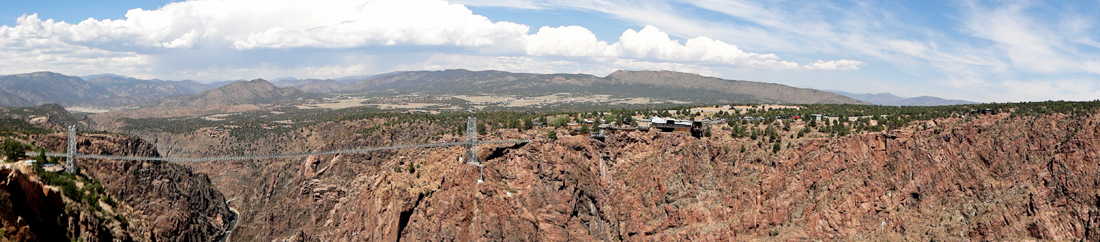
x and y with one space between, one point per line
138 200
991 177
167 202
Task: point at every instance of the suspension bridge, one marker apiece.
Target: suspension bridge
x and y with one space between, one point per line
471 143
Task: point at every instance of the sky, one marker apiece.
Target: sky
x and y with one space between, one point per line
986 51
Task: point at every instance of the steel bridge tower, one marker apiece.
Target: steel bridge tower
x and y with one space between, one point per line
70 158
471 147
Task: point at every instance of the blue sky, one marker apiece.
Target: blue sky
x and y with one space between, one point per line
990 51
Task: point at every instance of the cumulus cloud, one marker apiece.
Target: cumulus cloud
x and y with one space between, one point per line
651 43
574 41
238 36
415 22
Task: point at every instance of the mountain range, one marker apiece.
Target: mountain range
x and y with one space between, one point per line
114 90
888 99
47 87
653 84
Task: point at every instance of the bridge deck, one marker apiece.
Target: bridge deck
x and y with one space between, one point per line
274 156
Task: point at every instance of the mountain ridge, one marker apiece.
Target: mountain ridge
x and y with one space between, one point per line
654 84
116 90
49 87
889 99
239 92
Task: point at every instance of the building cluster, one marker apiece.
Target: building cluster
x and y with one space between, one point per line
694 127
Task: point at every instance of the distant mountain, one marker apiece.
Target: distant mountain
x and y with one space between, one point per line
652 84
130 90
48 87
101 75
256 91
354 79
312 85
11 100
282 79
759 91
193 87
892 100
929 101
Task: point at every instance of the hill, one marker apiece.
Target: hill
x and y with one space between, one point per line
929 101
652 84
47 116
11 100
758 91
892 100
256 91
48 87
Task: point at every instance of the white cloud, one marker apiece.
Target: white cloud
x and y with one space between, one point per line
233 39
572 41
834 65
651 43
408 22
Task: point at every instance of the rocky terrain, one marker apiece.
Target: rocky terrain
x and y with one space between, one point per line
987 177
128 201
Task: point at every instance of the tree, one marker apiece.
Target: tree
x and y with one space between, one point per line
553 135
14 150
843 130
776 147
481 128
527 125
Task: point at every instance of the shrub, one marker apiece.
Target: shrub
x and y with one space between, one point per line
14 150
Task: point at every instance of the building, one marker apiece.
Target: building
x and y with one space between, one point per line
673 125
983 111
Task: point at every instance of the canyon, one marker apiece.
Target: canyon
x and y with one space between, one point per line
989 177
992 177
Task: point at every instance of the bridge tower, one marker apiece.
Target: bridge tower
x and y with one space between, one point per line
471 140
471 147
70 158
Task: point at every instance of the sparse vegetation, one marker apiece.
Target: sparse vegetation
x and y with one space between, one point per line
14 150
